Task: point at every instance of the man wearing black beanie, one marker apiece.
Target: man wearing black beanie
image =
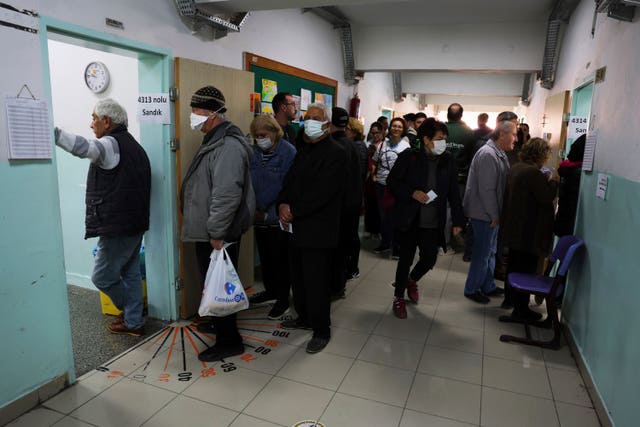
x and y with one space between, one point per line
218 203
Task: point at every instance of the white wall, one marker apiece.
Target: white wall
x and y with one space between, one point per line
375 92
72 105
289 36
614 102
484 84
504 47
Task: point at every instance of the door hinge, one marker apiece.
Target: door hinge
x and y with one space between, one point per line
174 144
173 94
177 283
566 117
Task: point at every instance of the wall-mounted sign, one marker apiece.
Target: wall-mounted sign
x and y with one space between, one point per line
603 183
577 126
154 108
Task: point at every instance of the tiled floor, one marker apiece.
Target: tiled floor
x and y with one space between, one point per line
443 366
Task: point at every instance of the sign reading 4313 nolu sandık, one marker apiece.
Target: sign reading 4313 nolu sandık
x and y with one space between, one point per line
154 108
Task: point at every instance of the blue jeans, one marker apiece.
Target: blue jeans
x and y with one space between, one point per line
483 258
116 272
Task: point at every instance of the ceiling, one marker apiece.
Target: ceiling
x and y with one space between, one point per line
500 37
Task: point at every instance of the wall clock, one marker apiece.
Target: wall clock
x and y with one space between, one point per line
96 76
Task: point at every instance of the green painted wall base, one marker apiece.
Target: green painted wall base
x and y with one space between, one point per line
601 303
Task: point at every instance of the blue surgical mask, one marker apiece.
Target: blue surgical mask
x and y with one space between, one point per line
313 128
439 145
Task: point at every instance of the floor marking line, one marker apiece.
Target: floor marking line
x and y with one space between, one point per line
184 356
252 339
173 341
195 347
140 344
166 331
158 349
195 334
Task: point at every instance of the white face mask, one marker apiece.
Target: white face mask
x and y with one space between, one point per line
313 128
439 145
264 143
197 121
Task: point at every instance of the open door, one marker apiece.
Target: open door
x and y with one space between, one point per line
554 125
581 106
236 85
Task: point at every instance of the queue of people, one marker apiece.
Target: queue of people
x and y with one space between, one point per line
304 195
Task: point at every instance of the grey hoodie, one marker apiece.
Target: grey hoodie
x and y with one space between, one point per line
217 197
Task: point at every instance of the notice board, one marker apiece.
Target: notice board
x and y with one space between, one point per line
287 79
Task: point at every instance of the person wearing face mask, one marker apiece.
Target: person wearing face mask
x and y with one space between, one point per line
310 203
272 158
384 158
422 180
217 202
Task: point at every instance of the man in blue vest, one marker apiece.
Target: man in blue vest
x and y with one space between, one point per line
117 208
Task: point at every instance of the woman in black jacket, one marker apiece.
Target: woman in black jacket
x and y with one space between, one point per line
422 180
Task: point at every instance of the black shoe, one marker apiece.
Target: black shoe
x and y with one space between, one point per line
338 295
206 328
217 352
526 316
277 311
294 324
395 255
466 258
261 298
478 297
496 292
381 249
316 345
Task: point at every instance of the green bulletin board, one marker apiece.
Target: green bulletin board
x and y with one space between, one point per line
289 79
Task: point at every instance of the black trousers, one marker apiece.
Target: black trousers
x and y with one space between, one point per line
346 256
311 269
273 250
351 241
519 262
426 239
226 327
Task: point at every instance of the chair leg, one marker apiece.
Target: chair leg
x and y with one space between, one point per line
552 318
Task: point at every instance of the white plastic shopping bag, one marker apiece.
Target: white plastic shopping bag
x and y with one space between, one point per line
223 293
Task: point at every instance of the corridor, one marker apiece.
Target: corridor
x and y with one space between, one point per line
443 366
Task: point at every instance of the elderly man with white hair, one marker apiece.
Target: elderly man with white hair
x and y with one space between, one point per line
310 204
117 208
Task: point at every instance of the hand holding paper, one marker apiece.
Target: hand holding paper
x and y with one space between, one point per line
431 197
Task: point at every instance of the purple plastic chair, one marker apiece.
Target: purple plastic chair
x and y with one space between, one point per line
548 288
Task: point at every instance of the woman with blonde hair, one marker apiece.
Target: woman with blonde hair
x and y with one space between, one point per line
272 157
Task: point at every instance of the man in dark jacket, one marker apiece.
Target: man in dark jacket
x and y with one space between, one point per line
284 111
350 215
218 203
310 206
117 199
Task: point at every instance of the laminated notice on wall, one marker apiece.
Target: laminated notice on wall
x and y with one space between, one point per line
589 151
29 128
154 108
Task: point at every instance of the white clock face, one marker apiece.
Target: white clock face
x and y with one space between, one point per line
96 76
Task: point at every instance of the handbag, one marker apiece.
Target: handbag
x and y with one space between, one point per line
223 293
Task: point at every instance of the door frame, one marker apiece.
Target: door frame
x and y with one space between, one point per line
156 65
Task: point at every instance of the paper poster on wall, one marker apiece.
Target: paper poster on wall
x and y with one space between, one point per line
603 183
305 99
269 90
319 98
29 129
296 100
254 103
577 126
327 99
589 151
266 108
154 108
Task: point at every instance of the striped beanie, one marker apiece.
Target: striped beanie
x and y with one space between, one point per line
208 98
